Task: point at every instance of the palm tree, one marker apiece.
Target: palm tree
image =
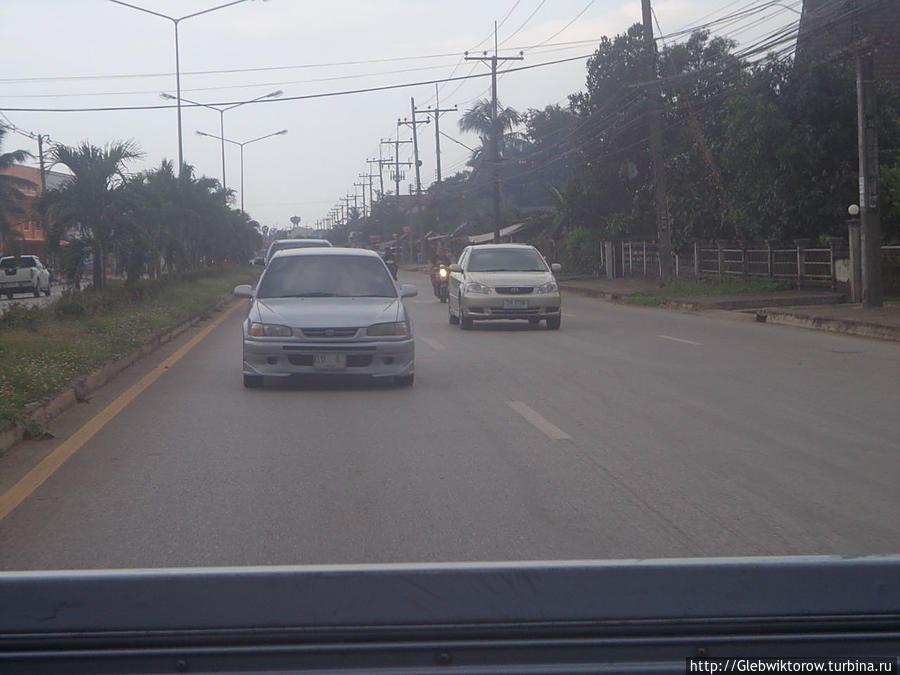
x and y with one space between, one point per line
88 202
11 194
478 119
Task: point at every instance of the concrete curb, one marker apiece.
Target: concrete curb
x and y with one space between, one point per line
861 328
42 412
754 303
593 293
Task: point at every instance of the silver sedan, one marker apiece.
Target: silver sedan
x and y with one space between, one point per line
503 281
327 311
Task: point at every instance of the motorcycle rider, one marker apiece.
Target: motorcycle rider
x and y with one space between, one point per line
389 261
440 259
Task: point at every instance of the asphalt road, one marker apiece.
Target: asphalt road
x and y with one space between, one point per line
629 433
29 300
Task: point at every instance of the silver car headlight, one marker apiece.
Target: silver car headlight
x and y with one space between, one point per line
269 330
549 287
475 287
394 328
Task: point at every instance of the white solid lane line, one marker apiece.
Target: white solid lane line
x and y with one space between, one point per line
687 342
434 344
539 421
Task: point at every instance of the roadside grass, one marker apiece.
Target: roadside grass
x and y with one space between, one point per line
44 349
684 289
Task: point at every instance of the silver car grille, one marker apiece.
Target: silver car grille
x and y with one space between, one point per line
326 333
515 290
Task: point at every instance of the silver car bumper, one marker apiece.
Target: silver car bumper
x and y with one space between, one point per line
497 306
274 358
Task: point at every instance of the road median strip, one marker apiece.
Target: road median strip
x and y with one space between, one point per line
10 499
53 359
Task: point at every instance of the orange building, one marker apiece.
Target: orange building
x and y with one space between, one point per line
34 236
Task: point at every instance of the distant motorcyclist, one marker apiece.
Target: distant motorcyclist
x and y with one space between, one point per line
440 271
389 261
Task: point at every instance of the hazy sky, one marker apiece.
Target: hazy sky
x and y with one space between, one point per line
94 53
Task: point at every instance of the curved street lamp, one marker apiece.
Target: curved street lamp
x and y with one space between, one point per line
175 21
221 110
242 144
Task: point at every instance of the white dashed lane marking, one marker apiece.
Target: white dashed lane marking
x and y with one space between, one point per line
682 340
434 344
539 421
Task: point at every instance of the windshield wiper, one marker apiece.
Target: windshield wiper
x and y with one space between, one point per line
316 294
506 270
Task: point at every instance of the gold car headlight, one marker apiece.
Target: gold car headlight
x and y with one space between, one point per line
475 287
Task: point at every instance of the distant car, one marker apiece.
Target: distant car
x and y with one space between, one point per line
503 281
23 274
283 244
260 260
327 310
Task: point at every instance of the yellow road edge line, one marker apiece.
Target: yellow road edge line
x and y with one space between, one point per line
31 481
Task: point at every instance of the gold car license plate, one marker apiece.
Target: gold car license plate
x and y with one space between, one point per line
328 361
515 304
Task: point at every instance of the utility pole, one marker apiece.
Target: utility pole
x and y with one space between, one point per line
656 148
397 164
380 162
370 176
870 220
495 132
414 124
40 140
363 186
436 111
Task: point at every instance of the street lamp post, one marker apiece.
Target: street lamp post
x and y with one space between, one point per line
238 143
222 110
175 21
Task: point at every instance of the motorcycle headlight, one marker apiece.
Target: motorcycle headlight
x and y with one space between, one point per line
395 328
443 272
475 287
269 330
549 287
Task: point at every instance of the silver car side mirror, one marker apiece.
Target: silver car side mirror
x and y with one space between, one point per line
408 291
454 267
556 268
243 291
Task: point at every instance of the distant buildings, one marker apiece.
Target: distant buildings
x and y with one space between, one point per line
34 236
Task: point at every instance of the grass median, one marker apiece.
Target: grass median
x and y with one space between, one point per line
44 349
686 289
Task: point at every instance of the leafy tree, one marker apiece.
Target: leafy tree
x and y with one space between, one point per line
88 203
11 194
477 119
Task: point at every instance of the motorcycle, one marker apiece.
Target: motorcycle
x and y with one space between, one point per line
440 282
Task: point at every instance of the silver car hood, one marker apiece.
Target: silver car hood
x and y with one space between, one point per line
327 312
510 278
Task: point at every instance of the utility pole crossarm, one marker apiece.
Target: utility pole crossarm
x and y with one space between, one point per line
436 111
495 132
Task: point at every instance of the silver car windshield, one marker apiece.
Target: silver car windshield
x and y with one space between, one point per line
506 260
326 276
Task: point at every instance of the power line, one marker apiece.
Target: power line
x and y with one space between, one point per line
577 16
348 92
524 23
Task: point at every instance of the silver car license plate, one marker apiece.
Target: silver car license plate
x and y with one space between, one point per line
518 303
329 361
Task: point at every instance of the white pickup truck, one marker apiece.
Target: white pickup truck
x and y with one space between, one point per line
23 274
